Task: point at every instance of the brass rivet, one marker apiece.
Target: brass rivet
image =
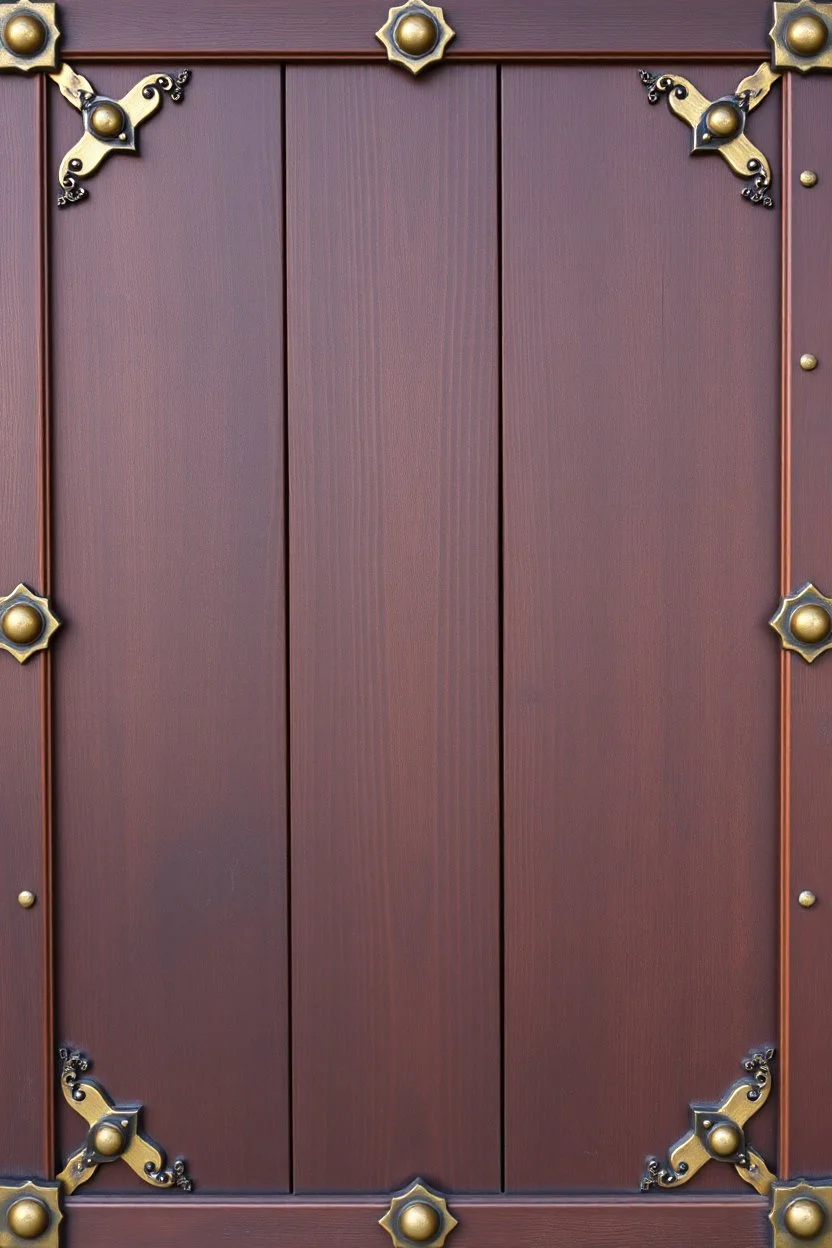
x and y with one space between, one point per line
419 1221
808 178
106 120
811 623
416 34
108 1140
724 1140
24 34
808 362
22 623
806 34
806 899
28 1218
723 119
804 1218
26 899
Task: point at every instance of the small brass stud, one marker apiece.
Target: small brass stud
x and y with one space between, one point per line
808 178
811 624
419 1221
806 899
808 362
804 1218
109 1140
22 623
26 899
28 1218
416 34
106 120
724 1140
806 34
24 34
723 120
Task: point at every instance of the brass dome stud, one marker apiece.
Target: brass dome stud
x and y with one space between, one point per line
106 120
806 898
811 624
804 1217
418 1216
723 120
808 178
806 34
28 1217
725 1139
109 1140
24 34
22 623
808 362
804 622
26 899
415 35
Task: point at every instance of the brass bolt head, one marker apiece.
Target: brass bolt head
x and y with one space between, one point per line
808 178
28 1218
106 120
26 899
416 34
808 362
804 1218
108 1140
811 624
723 119
806 899
724 1140
419 1221
24 34
22 623
806 34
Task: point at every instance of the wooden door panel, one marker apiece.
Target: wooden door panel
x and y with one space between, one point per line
641 442
169 565
393 502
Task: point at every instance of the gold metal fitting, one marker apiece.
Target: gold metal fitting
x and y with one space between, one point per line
725 1139
415 35
418 1215
806 898
801 36
804 622
30 1211
808 362
107 120
723 119
800 1210
26 623
808 178
26 899
28 36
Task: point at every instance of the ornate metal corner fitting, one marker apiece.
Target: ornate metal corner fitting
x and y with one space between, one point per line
30 1212
415 35
28 36
801 1211
115 1133
802 36
717 1132
719 125
418 1215
27 623
804 622
109 125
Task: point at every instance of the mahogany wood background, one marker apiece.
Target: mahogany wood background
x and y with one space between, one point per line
393 539
641 444
170 691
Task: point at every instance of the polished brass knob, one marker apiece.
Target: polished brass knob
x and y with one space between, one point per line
109 1140
28 1217
808 178
806 34
25 34
723 120
811 623
808 362
804 1218
419 1221
107 120
418 1216
725 1139
806 899
22 623
415 35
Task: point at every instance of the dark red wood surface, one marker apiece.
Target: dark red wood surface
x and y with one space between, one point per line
190 1223
26 1090
393 538
641 442
170 691
492 28
808 1009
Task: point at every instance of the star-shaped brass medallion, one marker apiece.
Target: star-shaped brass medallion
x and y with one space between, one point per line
26 623
804 622
418 1215
415 35
28 36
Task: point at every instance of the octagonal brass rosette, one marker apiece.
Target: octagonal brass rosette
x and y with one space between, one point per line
804 622
27 622
415 35
418 1215
802 36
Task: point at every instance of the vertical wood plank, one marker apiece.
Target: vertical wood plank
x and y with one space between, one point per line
26 1090
393 436
641 688
170 693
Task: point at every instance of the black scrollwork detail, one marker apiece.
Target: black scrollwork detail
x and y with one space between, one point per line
173 86
658 1175
72 192
757 193
74 1064
658 85
758 1065
173 1176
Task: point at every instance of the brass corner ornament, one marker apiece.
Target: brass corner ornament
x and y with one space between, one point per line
28 41
418 1215
27 623
415 35
804 622
30 1212
717 1133
115 1133
801 39
801 1212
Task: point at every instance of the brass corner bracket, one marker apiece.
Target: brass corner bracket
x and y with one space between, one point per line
28 41
418 1215
801 39
717 1133
115 1133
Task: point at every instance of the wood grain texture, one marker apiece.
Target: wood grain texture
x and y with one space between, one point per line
810 1012
25 1090
393 437
641 453
190 1223
484 27
170 693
